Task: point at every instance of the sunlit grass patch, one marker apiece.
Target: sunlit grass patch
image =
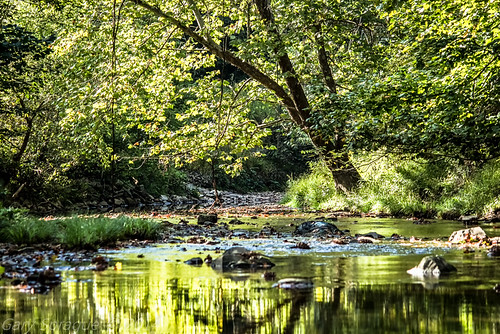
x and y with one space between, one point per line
403 187
77 232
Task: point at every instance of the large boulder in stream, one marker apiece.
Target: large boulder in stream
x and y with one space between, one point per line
475 234
317 229
432 266
240 258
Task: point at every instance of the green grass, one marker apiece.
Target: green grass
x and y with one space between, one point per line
403 187
75 232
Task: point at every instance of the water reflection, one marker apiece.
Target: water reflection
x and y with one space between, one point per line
368 294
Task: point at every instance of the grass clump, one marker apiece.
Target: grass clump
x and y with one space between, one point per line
94 232
19 228
75 232
404 187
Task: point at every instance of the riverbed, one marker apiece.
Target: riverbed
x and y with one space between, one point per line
358 287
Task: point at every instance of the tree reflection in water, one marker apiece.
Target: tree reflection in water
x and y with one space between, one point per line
167 297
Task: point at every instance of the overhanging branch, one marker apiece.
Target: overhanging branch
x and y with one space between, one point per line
228 56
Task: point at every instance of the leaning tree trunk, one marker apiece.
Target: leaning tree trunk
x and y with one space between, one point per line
345 175
293 98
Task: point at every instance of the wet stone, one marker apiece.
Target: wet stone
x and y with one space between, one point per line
469 220
236 221
100 262
474 234
494 251
240 258
432 266
269 276
207 219
294 284
302 245
373 235
317 229
366 240
195 261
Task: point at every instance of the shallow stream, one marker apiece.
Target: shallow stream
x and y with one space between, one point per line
358 288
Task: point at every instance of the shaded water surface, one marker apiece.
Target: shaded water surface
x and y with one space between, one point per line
358 288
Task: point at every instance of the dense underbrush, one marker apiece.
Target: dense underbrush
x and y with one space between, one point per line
404 187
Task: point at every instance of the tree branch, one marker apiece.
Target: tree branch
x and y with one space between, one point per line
228 56
299 97
323 62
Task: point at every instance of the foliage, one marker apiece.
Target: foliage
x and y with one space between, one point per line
439 95
105 85
404 187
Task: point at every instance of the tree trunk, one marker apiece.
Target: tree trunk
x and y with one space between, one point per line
345 175
295 100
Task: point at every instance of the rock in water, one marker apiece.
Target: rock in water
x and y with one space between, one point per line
207 219
494 251
474 234
432 266
373 235
469 220
294 284
317 229
195 261
240 258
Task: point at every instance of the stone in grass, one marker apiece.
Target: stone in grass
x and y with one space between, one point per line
432 266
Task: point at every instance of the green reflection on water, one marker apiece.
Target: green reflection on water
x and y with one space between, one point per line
354 293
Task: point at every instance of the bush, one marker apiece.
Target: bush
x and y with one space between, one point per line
404 187
480 194
315 190
159 181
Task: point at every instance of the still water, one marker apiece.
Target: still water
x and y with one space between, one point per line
358 288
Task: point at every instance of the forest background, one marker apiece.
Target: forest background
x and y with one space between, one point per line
372 106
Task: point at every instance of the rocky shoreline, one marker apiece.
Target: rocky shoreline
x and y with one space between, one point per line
34 269
202 201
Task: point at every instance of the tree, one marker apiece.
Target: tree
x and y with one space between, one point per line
286 47
23 103
439 95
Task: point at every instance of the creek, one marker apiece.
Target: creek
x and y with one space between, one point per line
358 288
